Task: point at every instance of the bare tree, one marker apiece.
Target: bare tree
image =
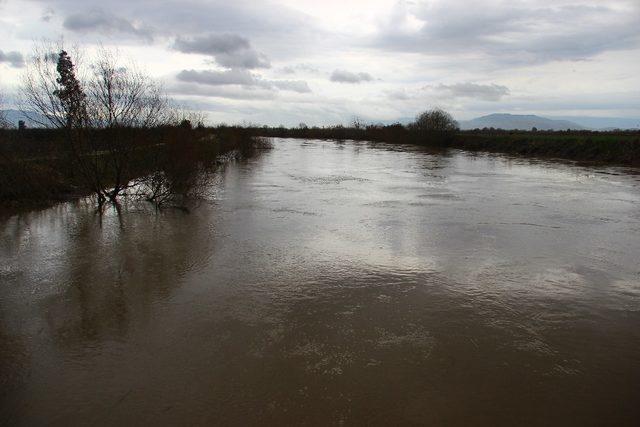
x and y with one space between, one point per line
358 123
102 115
4 123
123 96
179 115
53 91
123 101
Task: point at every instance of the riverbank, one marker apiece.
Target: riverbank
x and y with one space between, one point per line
38 169
615 147
621 148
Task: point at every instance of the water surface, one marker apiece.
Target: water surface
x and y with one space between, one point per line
334 283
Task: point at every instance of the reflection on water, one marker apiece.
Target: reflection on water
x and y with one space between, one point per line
331 283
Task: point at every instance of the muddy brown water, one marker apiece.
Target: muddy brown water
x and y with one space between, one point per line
329 283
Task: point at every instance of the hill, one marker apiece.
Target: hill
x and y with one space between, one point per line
603 123
518 122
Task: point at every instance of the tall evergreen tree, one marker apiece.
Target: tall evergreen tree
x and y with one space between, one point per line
70 93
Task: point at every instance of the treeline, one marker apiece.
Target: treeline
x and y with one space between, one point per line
390 133
615 147
432 127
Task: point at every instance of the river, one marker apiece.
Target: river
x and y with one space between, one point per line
331 283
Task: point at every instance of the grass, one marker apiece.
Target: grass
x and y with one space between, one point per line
621 148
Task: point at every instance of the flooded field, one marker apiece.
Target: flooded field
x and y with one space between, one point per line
334 283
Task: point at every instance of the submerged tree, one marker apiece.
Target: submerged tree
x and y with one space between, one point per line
73 102
53 97
123 96
102 115
124 104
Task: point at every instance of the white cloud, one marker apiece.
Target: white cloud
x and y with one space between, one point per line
468 56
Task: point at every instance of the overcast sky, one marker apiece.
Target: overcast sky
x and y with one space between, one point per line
324 62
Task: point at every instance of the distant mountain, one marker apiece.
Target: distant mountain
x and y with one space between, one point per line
14 116
603 123
518 122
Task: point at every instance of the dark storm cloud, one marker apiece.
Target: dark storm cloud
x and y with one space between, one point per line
510 32
13 59
228 50
343 76
104 22
242 78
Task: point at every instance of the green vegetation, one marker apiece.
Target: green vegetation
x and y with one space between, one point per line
617 147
